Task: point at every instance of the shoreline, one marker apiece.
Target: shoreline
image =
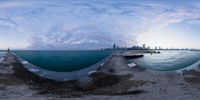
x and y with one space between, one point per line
114 81
59 76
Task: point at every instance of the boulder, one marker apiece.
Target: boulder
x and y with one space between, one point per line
102 79
85 83
97 80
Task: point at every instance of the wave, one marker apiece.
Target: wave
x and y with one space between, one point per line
1 59
193 66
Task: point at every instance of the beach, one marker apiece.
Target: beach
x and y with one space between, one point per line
113 81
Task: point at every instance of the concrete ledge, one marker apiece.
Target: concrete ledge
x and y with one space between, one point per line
60 76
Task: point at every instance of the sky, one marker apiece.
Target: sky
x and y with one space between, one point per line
95 24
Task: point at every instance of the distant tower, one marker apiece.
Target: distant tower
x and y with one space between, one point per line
143 46
8 50
156 48
160 48
114 46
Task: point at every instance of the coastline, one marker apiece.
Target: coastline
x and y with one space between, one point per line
113 82
59 76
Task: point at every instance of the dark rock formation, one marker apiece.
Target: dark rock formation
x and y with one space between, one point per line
98 80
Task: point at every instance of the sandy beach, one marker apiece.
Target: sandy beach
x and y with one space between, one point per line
114 81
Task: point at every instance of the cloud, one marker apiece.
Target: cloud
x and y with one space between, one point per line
90 25
14 4
166 16
7 24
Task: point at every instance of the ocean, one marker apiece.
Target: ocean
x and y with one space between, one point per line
64 61
67 61
168 60
2 53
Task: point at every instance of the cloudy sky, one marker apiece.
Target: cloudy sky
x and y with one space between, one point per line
95 24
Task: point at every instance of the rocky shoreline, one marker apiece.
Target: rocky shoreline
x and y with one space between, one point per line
115 80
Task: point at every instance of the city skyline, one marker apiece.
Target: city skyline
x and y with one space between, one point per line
75 25
143 47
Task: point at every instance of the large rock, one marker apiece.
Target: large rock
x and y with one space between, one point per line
85 83
97 80
102 79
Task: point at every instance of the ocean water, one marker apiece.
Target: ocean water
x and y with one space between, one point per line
63 61
2 53
168 60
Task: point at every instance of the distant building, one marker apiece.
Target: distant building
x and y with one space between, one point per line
114 47
117 47
8 50
156 48
143 46
134 47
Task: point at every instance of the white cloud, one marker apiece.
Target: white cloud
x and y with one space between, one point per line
90 24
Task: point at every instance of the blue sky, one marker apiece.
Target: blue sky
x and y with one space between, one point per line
98 24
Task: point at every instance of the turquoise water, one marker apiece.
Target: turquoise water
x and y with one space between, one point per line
63 61
168 60
2 53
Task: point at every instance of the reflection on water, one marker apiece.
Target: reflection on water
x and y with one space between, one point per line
168 60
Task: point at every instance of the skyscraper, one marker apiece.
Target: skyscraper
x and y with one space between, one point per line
143 46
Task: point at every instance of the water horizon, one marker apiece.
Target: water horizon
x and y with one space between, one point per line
168 60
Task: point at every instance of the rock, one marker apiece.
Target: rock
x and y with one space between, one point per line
130 92
102 79
131 65
102 64
91 73
192 80
97 80
85 84
2 86
24 62
33 70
